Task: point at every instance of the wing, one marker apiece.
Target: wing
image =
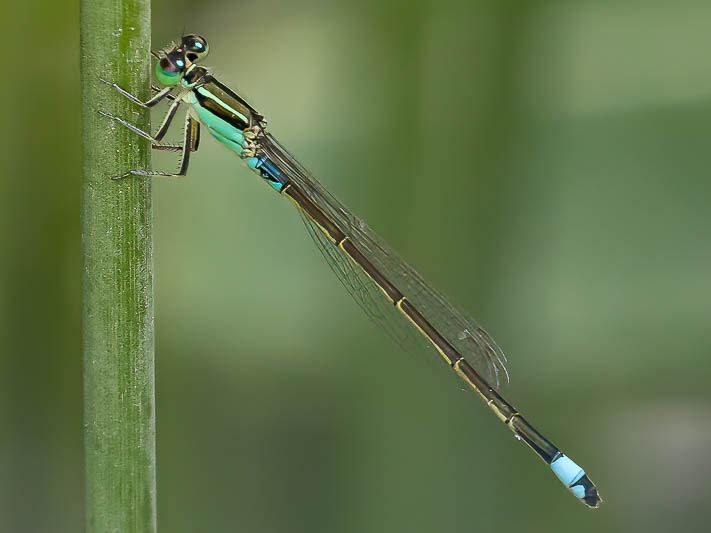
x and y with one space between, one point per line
362 289
474 344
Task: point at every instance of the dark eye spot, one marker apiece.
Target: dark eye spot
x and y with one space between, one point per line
167 65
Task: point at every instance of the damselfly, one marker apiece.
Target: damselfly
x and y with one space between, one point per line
363 262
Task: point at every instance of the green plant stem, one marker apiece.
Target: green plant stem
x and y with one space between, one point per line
119 399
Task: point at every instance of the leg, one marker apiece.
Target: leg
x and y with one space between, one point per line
167 147
162 93
158 89
162 129
169 116
194 136
190 144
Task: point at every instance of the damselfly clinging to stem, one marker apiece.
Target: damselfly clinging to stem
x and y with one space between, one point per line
362 261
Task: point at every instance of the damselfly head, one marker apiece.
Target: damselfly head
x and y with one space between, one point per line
194 47
174 59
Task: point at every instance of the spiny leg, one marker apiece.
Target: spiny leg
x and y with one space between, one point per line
162 93
162 129
191 139
158 89
167 119
167 147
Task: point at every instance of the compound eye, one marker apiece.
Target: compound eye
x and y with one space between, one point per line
195 47
168 70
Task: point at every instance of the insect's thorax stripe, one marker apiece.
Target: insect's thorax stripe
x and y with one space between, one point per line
202 91
207 102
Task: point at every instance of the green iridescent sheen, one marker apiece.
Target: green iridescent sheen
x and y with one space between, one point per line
166 78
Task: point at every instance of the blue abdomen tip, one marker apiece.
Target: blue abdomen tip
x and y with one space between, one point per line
567 471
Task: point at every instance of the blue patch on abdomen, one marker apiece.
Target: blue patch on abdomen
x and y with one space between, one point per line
268 171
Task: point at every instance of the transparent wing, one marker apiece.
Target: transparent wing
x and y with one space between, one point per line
475 344
363 290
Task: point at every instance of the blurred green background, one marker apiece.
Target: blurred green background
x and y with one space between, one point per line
546 163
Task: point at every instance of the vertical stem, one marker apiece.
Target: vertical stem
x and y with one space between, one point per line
117 237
